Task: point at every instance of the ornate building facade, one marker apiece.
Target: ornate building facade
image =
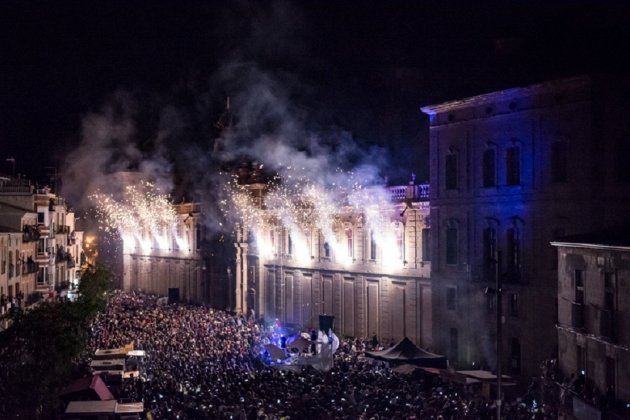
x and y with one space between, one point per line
370 289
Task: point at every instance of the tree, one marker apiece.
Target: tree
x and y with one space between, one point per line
40 349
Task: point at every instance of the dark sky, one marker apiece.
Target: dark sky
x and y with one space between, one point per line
365 67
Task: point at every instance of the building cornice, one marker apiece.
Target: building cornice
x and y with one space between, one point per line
591 246
507 94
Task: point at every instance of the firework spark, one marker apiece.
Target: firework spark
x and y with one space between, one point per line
143 217
315 215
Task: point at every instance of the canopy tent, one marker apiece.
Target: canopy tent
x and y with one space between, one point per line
407 352
87 388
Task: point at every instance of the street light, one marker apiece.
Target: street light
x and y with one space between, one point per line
499 313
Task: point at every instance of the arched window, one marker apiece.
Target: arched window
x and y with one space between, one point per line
349 240
372 246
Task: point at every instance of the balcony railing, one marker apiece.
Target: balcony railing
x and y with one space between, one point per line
30 233
63 229
400 193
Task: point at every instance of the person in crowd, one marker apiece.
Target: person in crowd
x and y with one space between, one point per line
206 364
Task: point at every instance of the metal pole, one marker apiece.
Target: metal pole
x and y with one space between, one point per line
499 332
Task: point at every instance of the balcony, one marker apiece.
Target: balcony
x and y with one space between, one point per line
42 258
29 267
63 229
400 193
577 315
43 230
30 233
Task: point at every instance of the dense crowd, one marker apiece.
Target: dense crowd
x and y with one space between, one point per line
202 363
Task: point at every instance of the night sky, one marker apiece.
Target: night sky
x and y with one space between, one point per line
361 68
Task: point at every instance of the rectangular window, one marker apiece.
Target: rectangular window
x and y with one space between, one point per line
349 238
289 244
609 291
514 254
489 253
426 253
451 245
515 356
372 246
559 161
579 286
41 217
326 250
454 343
513 164
451 171
451 298
489 168
580 356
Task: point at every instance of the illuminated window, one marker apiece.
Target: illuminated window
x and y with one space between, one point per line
513 165
289 244
451 171
426 252
399 230
372 246
350 243
309 241
559 161
489 168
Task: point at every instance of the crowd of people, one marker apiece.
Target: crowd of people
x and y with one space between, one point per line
203 363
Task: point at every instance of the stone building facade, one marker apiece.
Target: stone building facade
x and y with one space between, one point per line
369 290
45 221
594 310
510 171
179 266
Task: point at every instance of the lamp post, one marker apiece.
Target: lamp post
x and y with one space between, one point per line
497 263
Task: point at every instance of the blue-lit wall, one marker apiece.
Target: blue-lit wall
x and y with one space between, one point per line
538 207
